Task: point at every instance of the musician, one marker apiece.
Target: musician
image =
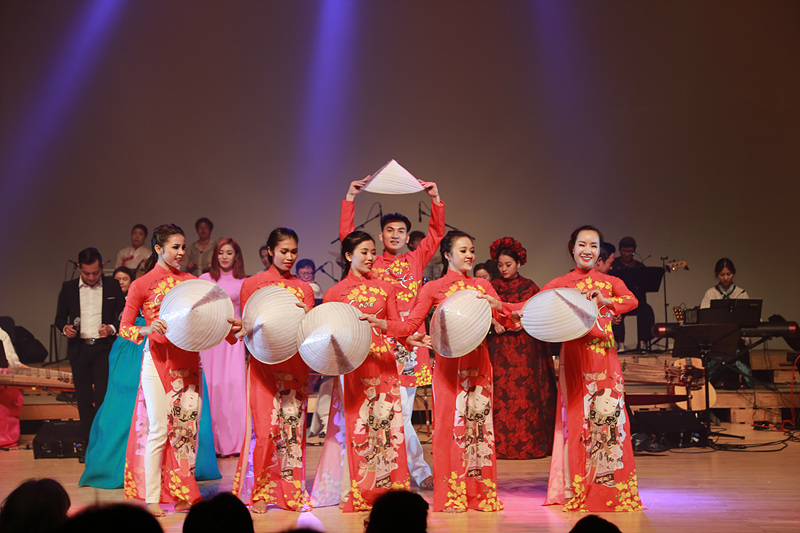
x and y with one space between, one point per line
305 272
725 289
734 374
645 318
606 258
10 397
98 302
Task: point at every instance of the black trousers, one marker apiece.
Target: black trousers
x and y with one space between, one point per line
645 319
90 374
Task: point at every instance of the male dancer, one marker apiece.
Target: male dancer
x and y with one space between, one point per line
404 271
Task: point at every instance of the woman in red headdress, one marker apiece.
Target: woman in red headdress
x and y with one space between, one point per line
524 377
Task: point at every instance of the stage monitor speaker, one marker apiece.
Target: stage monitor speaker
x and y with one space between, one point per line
678 429
58 439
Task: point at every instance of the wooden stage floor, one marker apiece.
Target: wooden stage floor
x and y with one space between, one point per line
693 489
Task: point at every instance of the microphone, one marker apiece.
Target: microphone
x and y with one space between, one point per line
380 212
77 323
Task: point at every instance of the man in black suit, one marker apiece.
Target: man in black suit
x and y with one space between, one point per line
88 314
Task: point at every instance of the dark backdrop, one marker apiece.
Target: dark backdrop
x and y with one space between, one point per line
675 122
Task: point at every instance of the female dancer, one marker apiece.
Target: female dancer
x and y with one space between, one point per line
524 377
373 417
105 453
464 464
275 473
224 364
592 466
168 403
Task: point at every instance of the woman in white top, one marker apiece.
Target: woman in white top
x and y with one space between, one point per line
725 289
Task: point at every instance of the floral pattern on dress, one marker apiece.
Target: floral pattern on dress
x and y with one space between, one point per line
524 384
592 423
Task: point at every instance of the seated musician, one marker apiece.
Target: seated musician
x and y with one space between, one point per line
725 289
645 318
733 374
10 397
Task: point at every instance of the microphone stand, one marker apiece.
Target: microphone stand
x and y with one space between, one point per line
321 268
422 211
369 219
66 269
666 304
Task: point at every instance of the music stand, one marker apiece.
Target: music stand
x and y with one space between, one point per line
719 340
643 279
640 280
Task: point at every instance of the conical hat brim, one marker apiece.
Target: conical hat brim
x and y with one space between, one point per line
196 312
332 340
271 318
559 315
460 323
392 178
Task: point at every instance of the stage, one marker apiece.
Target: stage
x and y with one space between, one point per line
691 489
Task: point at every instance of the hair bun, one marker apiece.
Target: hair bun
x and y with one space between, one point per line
510 244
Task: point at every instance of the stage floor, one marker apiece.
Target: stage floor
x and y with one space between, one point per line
693 489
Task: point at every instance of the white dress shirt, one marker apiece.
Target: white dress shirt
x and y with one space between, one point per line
91 309
11 354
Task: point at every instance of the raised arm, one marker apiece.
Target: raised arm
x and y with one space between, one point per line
436 229
346 219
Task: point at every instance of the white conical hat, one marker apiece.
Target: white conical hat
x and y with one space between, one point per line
460 323
393 179
559 315
196 312
271 318
332 340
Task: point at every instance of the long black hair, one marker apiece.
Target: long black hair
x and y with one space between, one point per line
160 237
276 236
349 244
446 246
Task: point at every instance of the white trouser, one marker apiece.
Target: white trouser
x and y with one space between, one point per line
342 437
415 455
319 422
157 404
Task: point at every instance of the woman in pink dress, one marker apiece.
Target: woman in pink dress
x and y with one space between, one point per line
224 364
